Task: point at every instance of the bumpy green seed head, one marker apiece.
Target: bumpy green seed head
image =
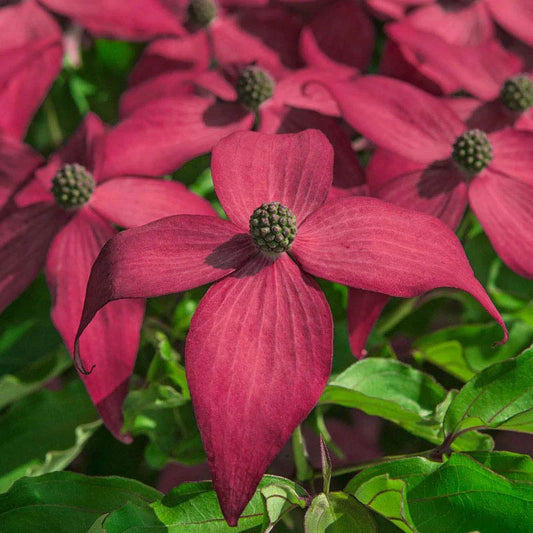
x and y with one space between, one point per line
72 186
472 151
517 93
201 12
273 228
254 86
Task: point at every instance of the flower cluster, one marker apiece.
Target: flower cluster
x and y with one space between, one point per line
277 93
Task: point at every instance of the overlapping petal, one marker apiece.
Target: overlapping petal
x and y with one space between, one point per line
504 209
398 117
513 153
348 175
258 357
372 245
173 254
132 20
130 202
17 162
252 168
25 235
83 147
516 16
111 341
330 40
438 189
362 312
161 136
30 53
466 25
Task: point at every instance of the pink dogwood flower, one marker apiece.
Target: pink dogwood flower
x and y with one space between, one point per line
429 62
429 160
463 21
31 52
60 221
184 112
259 350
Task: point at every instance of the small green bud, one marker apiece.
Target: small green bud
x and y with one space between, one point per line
517 93
472 151
273 228
201 12
254 86
72 186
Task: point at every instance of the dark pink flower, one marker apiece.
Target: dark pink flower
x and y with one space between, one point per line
507 101
60 220
463 21
414 167
340 35
427 61
259 350
184 112
424 163
31 53
119 19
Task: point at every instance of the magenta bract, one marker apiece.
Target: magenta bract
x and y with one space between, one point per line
36 231
259 350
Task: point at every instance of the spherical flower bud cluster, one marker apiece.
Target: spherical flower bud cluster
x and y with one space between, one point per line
72 186
273 228
201 12
254 86
517 93
472 151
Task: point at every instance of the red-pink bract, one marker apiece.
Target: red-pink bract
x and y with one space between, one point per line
31 53
419 131
35 232
259 350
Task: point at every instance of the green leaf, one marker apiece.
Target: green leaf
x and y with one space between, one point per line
465 350
326 465
398 392
457 495
194 507
463 495
304 470
64 502
500 397
31 377
514 466
45 432
391 390
388 498
338 512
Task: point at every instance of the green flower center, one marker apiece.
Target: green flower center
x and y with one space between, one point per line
273 228
472 151
72 186
517 93
254 86
201 12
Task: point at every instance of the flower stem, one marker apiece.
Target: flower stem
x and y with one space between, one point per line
53 122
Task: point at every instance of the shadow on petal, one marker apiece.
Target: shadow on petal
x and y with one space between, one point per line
221 114
432 184
234 253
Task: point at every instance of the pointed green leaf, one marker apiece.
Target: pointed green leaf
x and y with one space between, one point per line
64 502
387 497
399 393
500 397
463 495
514 466
338 512
194 508
465 350
45 432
